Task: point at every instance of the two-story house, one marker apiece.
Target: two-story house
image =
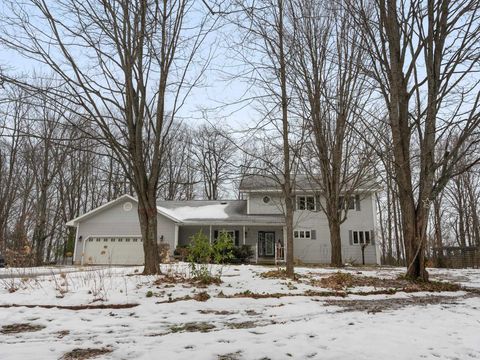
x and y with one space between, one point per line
110 234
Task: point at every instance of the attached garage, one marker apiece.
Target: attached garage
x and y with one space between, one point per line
111 235
102 250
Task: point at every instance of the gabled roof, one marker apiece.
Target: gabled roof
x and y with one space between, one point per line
110 204
303 182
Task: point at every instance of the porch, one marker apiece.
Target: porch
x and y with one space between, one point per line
266 241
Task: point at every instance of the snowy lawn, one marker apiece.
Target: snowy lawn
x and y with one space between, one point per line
114 313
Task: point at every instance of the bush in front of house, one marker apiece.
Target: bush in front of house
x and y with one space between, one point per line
222 248
181 252
201 253
199 256
199 249
241 254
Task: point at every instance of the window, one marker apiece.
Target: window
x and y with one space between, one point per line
344 204
266 199
306 202
303 234
361 237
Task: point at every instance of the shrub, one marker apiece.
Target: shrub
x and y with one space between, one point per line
182 252
242 254
199 250
199 255
222 249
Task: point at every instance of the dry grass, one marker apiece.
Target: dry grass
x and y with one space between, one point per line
277 274
20 328
173 279
343 281
193 327
83 354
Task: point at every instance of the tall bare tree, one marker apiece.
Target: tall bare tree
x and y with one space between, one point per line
126 65
264 32
423 53
332 95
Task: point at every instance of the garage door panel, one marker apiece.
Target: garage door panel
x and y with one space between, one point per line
114 251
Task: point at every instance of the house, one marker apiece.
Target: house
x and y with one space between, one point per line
110 234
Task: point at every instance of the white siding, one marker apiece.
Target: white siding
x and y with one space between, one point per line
115 221
318 251
257 206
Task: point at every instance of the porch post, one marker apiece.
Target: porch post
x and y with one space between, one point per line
83 250
210 234
244 242
275 251
176 237
76 243
285 244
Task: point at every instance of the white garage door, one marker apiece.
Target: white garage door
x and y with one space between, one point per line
113 251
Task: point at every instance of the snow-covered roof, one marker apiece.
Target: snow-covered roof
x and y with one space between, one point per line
215 211
197 212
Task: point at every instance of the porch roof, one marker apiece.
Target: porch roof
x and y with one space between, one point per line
216 212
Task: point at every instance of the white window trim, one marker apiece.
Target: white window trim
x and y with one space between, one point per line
304 231
366 233
307 196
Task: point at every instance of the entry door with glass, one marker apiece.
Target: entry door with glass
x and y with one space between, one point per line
266 243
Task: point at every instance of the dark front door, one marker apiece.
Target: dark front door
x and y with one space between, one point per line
266 243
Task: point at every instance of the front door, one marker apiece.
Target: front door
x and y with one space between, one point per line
266 243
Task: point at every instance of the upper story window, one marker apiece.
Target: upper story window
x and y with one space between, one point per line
306 202
344 204
266 199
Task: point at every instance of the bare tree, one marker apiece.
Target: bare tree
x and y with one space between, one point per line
264 32
423 54
131 79
332 95
214 153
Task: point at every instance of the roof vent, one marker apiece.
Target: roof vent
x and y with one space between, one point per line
223 203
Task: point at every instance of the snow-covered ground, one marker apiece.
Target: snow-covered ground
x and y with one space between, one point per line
442 325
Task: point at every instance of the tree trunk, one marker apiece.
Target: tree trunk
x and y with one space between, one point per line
289 241
415 237
336 243
147 214
39 233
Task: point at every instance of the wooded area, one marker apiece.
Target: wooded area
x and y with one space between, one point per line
353 94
